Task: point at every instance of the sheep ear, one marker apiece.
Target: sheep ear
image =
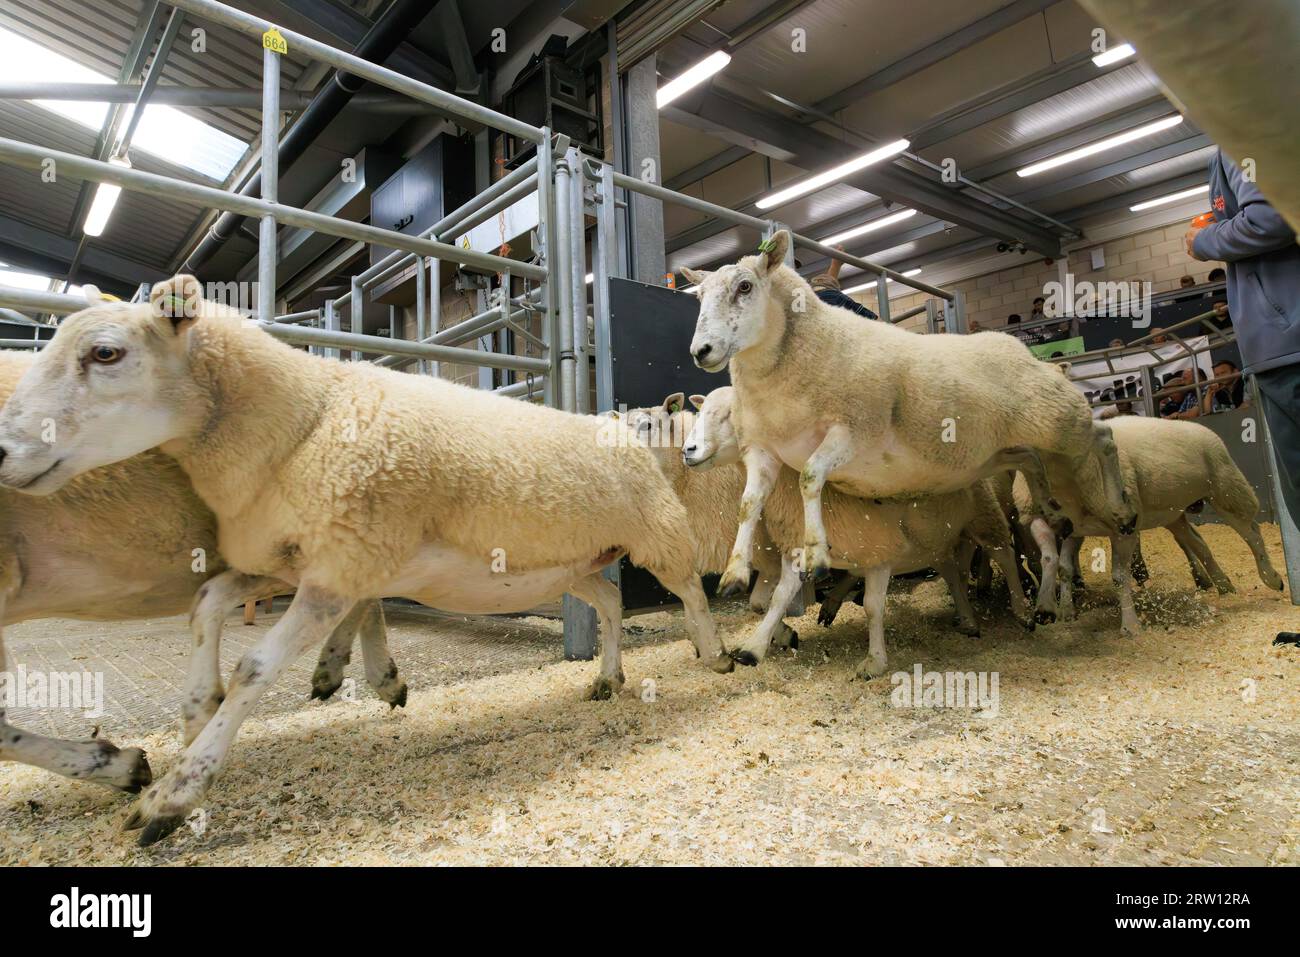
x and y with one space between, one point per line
609 414
674 403
772 251
177 302
697 401
694 276
92 293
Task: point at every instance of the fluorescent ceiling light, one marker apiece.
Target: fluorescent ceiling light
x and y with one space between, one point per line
872 226
833 174
1171 198
1110 142
872 285
101 207
1114 55
163 131
711 64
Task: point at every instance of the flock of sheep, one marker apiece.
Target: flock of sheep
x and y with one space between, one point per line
173 455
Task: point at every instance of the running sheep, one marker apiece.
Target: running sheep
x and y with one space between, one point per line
1169 468
875 410
349 481
873 539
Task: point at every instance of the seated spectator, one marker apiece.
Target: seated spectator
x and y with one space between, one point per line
1036 311
827 287
1116 344
1158 337
1186 282
974 326
1114 411
1228 395
1222 318
1189 406
1013 319
1217 275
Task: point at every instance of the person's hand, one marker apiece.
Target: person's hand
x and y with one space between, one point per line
1189 238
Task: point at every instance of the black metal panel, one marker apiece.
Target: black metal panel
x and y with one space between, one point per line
431 184
650 336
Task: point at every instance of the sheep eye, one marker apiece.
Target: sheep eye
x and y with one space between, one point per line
745 287
105 355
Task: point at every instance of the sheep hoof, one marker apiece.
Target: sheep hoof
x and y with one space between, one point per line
140 774
398 700
159 828
723 664
732 585
788 638
1128 527
323 692
602 689
972 631
1026 623
870 669
1274 582
1045 617
1287 638
826 615
746 658
794 641
1227 588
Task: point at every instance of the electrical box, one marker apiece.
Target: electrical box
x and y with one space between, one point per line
431 184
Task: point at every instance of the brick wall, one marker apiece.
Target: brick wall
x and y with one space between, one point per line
1153 255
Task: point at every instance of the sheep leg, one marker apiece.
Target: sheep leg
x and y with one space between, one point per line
957 586
381 670
768 564
841 590
1121 573
1204 568
1045 538
875 585
1141 574
1004 556
97 760
761 470
601 594
704 633
836 449
1067 568
312 615
335 655
1200 577
1123 516
212 603
1249 531
1029 464
754 648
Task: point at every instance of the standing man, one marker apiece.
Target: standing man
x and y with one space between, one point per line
1263 266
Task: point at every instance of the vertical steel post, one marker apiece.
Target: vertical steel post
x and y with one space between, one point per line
578 280
266 251
932 316
421 307
1149 390
435 307
356 313
545 239
332 324
561 281
882 298
604 266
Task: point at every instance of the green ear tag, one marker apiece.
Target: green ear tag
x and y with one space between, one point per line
765 246
675 407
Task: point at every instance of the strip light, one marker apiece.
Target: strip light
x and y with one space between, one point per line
1171 198
101 207
711 64
1110 142
870 227
1114 55
872 285
834 173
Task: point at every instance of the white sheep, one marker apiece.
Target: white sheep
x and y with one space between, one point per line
711 497
872 538
1169 467
349 481
132 540
875 410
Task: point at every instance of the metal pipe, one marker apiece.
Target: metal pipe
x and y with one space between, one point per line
561 286
721 212
302 335
299 316
270 180
383 37
29 300
79 167
333 325
463 331
22 343
531 385
150 81
446 102
421 306
576 238
197 96
356 313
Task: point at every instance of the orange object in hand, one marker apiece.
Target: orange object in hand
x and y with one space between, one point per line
1203 220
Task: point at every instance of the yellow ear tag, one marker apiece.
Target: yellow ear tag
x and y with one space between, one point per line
274 41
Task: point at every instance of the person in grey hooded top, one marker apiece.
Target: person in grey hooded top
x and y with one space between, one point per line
1263 266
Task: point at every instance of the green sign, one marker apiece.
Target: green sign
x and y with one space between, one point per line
1060 348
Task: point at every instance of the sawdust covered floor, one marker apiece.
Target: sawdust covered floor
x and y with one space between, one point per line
1178 747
